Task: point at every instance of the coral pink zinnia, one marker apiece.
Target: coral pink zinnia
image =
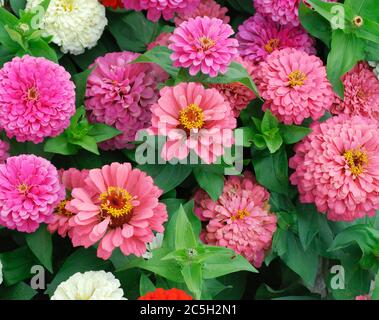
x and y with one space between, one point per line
120 94
361 95
239 219
294 85
203 45
37 99
157 8
193 118
337 167
119 207
30 190
259 36
4 151
206 8
72 178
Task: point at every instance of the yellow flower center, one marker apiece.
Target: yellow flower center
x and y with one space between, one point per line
272 44
68 5
356 160
358 21
296 78
207 43
241 214
192 117
32 94
23 188
116 202
61 209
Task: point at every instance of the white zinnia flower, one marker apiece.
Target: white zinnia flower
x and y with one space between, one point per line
375 65
154 244
91 285
74 24
1 273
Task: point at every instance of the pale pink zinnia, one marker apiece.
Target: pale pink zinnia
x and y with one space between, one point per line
361 96
161 40
119 207
37 99
282 11
240 219
165 8
4 151
337 167
206 8
30 190
193 118
120 94
72 178
203 45
237 94
259 36
294 86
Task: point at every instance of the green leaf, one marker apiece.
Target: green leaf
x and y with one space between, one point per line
193 277
39 48
308 222
273 142
271 170
211 182
292 134
88 143
365 8
368 31
161 56
145 285
80 80
325 9
375 294
19 291
184 235
269 122
81 260
40 243
101 132
346 51
17 5
60 145
17 265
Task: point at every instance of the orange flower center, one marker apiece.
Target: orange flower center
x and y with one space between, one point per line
241 214
32 94
192 117
356 160
206 43
272 45
61 209
23 188
296 78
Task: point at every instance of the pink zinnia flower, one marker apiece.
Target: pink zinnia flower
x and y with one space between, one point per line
237 94
294 85
239 219
157 8
363 297
203 44
72 178
206 8
29 192
361 95
161 40
37 99
259 36
4 151
193 118
282 11
120 94
119 207
337 167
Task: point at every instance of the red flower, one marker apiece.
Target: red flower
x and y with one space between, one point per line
112 3
162 294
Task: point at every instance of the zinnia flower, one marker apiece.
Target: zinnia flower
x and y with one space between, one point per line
119 207
193 118
282 11
206 8
37 99
361 95
75 25
71 179
363 297
203 44
161 40
237 94
30 190
239 219
166 8
90 285
170 294
259 36
120 94
112 3
294 85
337 167
4 151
